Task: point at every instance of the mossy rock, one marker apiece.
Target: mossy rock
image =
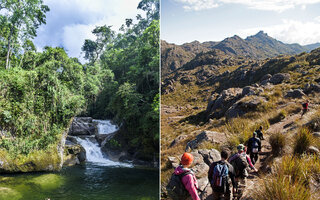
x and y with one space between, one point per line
8 193
48 181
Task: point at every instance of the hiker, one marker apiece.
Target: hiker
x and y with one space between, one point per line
305 108
220 174
240 162
183 183
254 147
259 133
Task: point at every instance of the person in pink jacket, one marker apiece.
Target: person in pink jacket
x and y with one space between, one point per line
189 181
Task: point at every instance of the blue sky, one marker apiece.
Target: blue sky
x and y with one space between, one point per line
70 22
290 21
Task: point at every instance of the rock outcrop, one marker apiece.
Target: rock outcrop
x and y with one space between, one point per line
243 106
82 126
206 136
217 107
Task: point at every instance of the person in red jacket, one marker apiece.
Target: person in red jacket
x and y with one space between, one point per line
305 108
189 181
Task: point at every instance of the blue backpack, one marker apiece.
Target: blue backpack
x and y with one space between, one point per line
220 178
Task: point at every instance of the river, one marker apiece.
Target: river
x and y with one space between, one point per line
98 179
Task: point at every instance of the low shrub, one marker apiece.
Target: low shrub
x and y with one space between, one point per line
277 142
302 141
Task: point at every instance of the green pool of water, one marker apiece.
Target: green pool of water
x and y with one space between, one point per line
88 182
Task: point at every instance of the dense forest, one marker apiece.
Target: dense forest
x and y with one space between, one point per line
40 92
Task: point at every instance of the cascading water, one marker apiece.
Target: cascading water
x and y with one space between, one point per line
93 151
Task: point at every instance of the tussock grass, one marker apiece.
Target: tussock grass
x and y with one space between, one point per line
302 141
291 179
277 142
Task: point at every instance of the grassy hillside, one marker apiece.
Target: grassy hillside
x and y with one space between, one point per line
185 112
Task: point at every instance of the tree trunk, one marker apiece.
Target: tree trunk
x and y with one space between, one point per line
9 51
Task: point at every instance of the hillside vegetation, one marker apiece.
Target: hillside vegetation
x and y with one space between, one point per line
40 92
231 96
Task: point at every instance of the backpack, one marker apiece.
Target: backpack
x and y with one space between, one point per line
220 178
240 164
255 146
175 188
305 105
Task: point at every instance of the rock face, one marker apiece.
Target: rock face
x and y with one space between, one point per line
82 126
206 136
279 78
310 88
244 106
296 93
74 153
216 108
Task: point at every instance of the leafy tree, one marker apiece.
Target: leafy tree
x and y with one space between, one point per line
20 20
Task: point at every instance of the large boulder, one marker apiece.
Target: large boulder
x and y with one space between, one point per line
206 136
82 126
244 106
279 78
310 88
217 107
296 93
75 154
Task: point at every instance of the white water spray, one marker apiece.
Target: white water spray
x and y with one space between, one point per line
93 151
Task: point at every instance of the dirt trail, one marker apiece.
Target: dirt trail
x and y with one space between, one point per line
287 124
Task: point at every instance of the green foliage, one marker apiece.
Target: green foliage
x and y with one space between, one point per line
277 142
302 141
127 66
36 104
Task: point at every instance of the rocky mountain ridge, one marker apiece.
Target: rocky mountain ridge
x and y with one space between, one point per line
259 46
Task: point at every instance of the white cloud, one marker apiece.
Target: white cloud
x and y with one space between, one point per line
198 5
317 19
270 5
290 31
70 22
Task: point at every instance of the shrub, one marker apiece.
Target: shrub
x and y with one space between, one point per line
302 141
290 179
277 142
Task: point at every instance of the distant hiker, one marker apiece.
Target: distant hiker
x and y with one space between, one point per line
305 107
220 174
183 183
240 162
254 147
259 133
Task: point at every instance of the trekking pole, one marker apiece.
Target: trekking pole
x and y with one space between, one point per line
201 191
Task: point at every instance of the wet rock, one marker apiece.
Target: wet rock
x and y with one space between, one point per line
177 140
279 78
82 126
206 136
296 93
75 154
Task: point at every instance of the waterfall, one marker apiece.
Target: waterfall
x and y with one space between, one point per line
93 151
105 126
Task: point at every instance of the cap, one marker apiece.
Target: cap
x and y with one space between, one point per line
186 158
